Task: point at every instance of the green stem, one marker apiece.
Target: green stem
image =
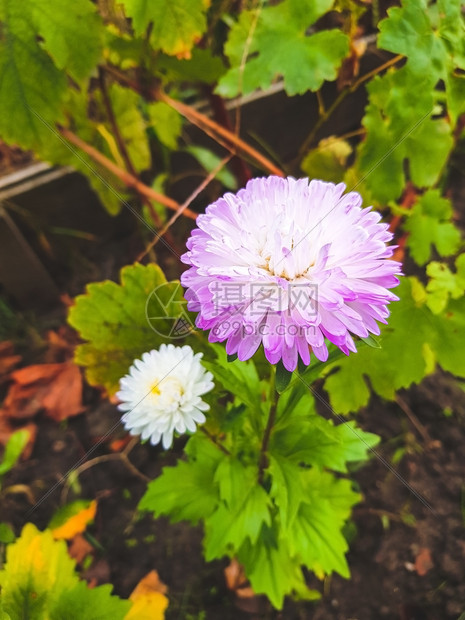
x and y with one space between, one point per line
263 459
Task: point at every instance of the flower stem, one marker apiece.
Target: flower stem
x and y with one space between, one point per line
263 459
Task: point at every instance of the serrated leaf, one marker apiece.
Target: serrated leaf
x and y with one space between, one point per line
425 35
316 535
24 65
175 24
429 224
444 284
399 129
202 66
276 44
244 508
239 378
90 603
270 567
287 488
188 490
71 33
397 365
320 443
39 581
120 322
42 41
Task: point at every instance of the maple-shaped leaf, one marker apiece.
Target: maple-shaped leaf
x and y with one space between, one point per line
316 441
400 128
269 42
270 567
431 339
431 35
39 581
41 42
444 284
187 491
244 508
429 223
175 25
120 322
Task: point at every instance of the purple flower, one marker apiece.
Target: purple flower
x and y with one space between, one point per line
289 263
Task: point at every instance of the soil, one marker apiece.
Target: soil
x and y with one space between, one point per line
407 536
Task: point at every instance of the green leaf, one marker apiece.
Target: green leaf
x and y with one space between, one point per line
328 160
209 160
283 377
270 567
24 65
399 128
316 534
166 122
39 581
120 322
444 284
239 378
187 491
6 534
42 41
201 67
287 488
275 42
90 603
430 36
131 124
431 339
175 24
316 441
429 224
64 513
13 450
71 33
245 506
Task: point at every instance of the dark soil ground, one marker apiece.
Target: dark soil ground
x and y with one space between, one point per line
406 558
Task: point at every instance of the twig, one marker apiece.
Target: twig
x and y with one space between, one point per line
413 419
235 144
184 206
122 144
238 165
340 98
215 440
128 179
104 458
203 122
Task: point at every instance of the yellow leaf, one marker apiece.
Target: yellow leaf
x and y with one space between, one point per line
76 524
149 599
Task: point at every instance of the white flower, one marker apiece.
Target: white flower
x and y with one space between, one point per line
162 393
